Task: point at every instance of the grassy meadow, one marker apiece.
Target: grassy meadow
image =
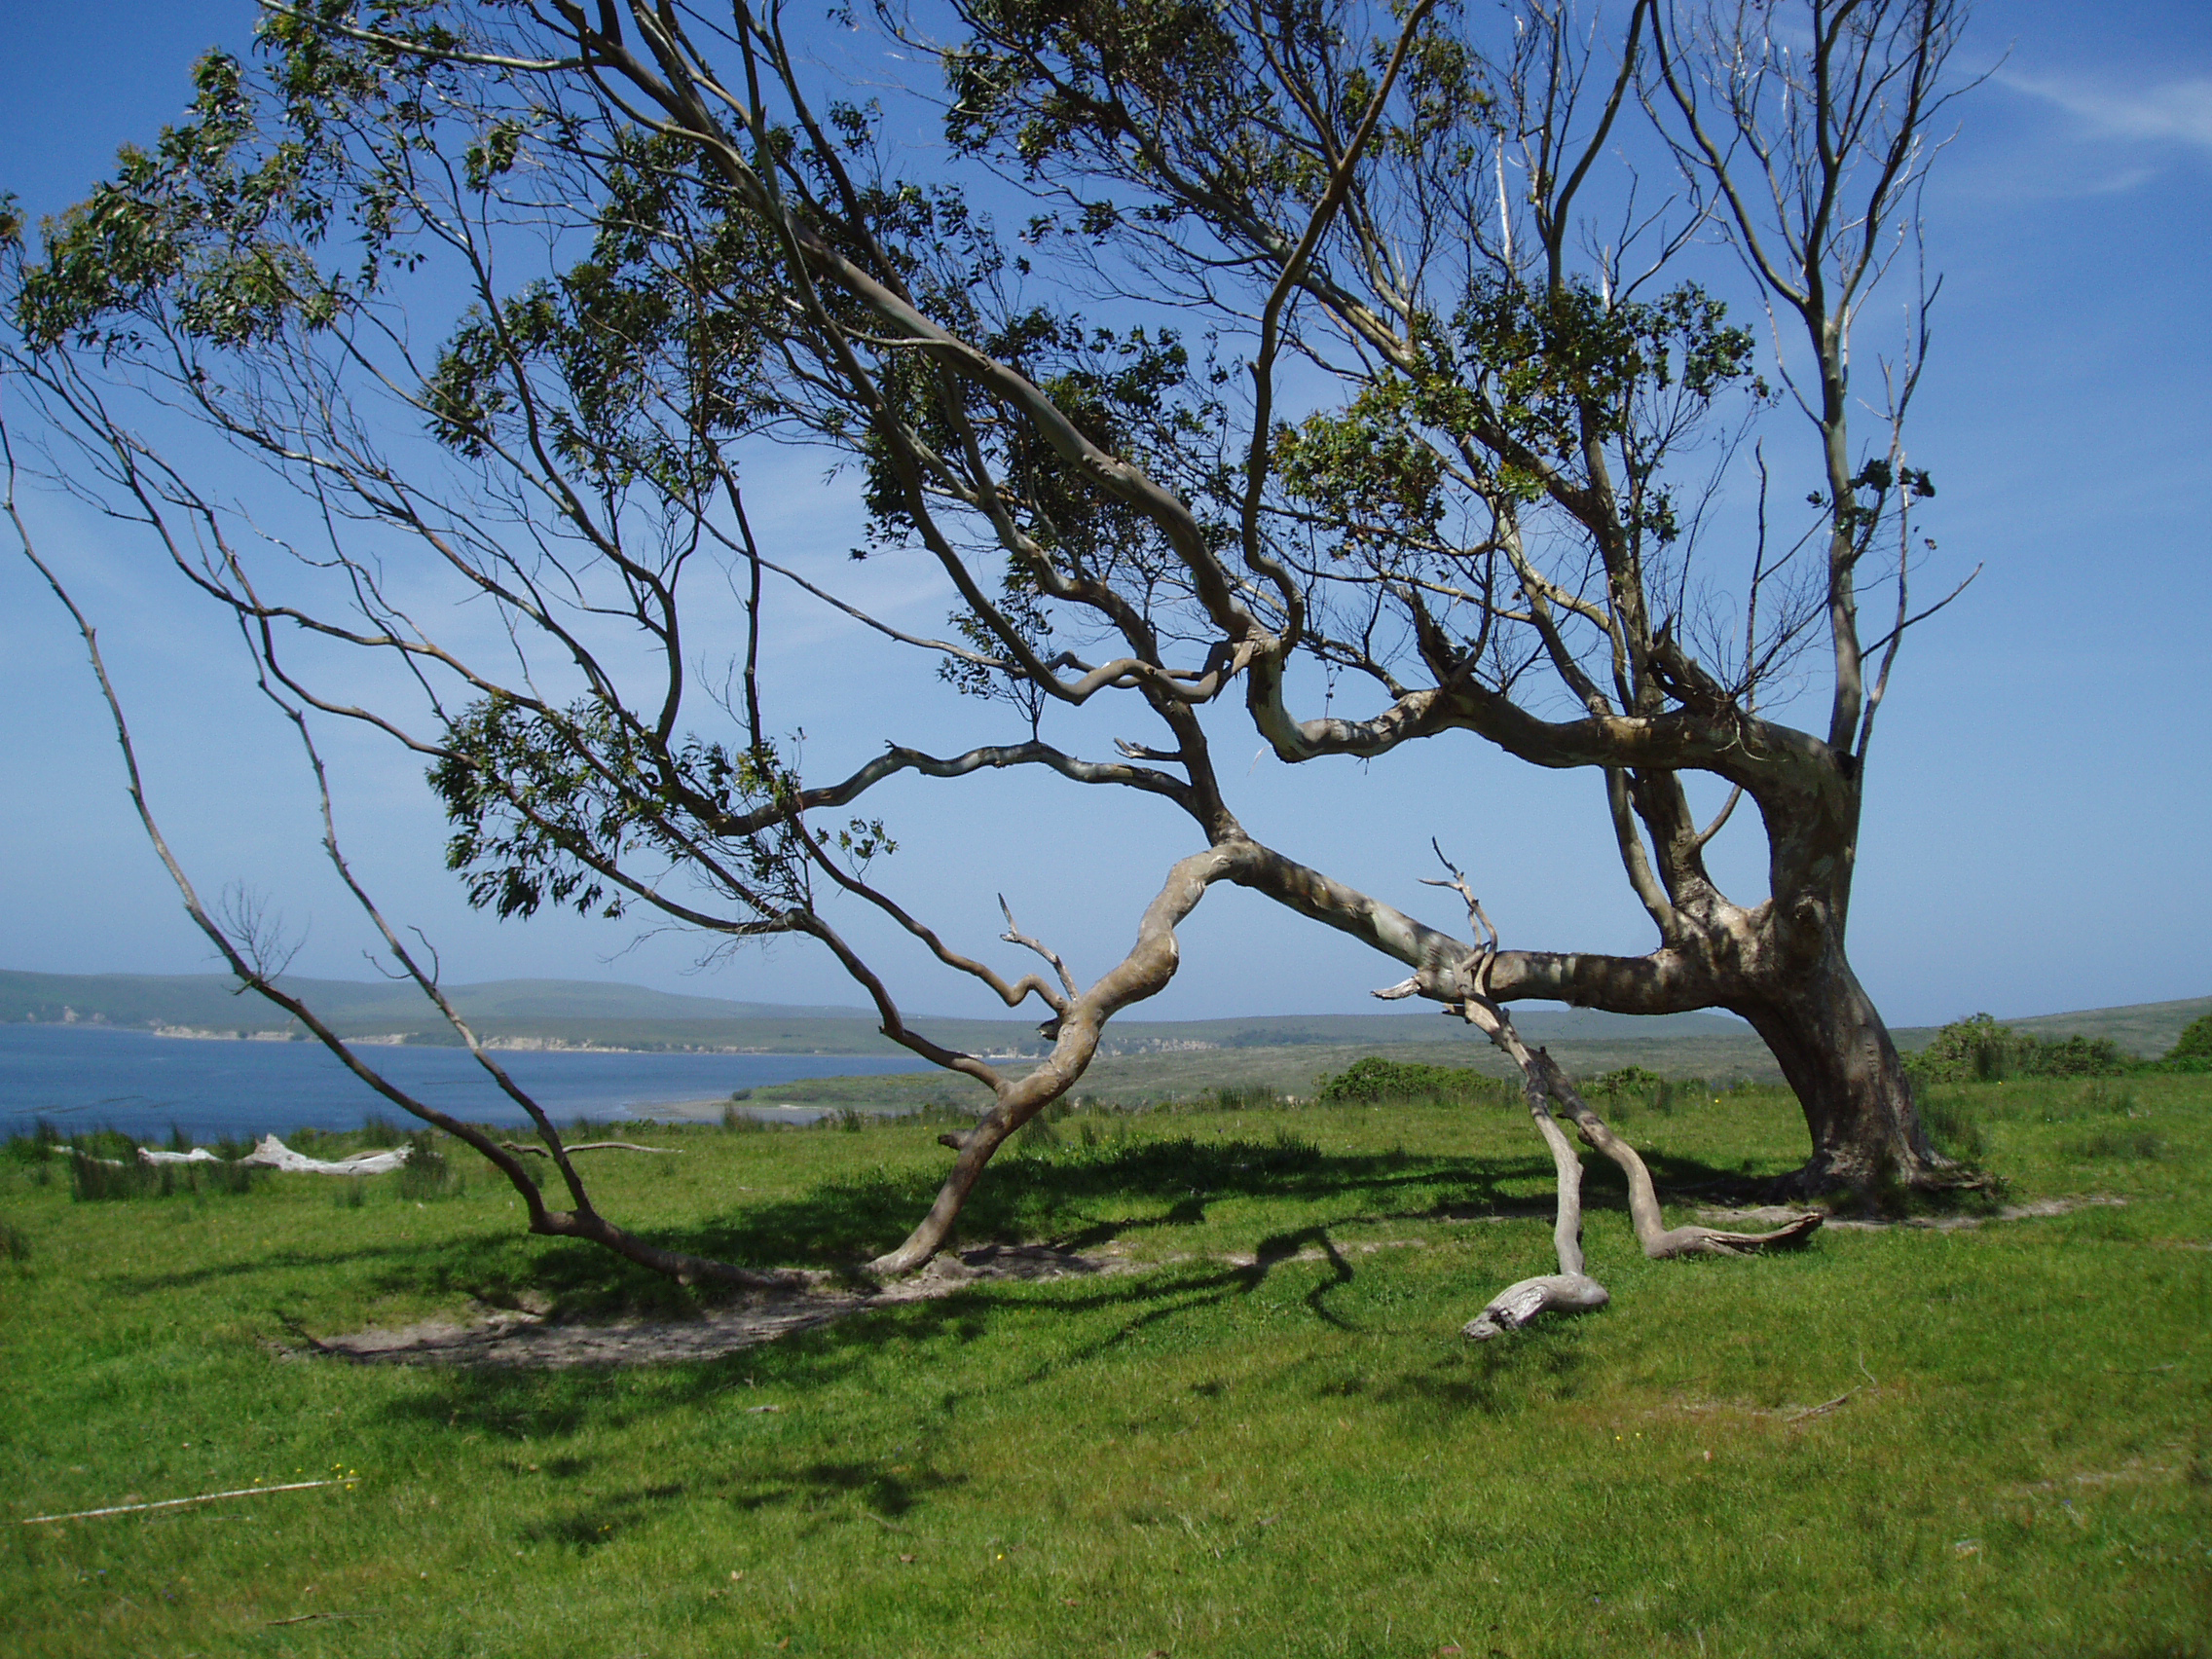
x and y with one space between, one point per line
1267 1437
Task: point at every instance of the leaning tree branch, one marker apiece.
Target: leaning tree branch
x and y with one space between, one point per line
1551 1094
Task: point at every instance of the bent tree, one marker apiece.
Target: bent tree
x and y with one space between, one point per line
1404 374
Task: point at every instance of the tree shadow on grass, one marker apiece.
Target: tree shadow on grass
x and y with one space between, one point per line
1077 1197
1080 1198
876 1493
1085 1197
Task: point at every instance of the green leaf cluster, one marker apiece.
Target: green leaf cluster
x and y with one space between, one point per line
546 803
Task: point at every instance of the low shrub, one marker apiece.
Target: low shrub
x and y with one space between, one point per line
2195 1041
1979 1049
1628 1080
1375 1081
426 1174
37 1147
93 1179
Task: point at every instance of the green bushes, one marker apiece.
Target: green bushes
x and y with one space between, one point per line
2195 1042
1375 1081
1978 1050
1628 1080
1378 1082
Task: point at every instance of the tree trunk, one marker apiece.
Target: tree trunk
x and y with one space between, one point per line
1836 1053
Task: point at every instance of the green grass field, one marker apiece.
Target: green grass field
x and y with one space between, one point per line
1269 1439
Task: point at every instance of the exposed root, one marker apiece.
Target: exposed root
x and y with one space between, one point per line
1820 1178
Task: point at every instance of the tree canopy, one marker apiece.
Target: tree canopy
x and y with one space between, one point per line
1226 361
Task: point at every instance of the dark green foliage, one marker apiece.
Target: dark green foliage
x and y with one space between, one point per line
1632 1081
1375 1081
545 800
37 1147
1979 1049
2195 1042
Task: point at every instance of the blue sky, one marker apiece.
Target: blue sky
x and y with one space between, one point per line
2035 836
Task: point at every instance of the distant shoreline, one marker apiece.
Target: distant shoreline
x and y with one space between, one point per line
412 1040
495 1045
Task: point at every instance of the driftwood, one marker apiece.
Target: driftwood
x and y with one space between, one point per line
178 1502
590 1146
198 1155
1570 1290
270 1153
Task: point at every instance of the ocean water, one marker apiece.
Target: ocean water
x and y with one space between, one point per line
143 1085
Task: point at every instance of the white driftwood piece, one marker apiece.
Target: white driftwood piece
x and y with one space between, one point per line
1570 1290
591 1146
1518 1303
270 1153
159 1155
80 1152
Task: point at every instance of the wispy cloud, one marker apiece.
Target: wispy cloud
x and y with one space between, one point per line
2178 112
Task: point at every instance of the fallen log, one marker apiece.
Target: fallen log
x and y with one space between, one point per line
270 1153
589 1146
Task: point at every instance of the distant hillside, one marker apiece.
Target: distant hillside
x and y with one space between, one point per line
2146 1030
578 1013
210 1001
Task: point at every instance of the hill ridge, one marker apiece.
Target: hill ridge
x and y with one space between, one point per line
584 1013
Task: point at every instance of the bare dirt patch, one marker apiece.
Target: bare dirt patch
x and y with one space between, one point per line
532 1341
2035 1209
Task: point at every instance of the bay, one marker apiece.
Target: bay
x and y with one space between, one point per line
90 1077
